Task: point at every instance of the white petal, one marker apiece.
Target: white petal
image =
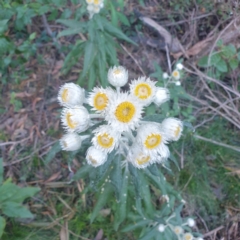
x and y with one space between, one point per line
70 95
95 157
70 142
173 128
162 95
117 76
75 119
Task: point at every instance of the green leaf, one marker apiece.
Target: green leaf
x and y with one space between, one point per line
134 175
17 210
203 62
123 19
222 66
234 63
5 45
92 78
102 199
154 118
2 225
7 190
1 171
89 56
116 176
52 152
24 193
229 51
151 233
82 172
120 214
133 226
215 58
115 31
238 55
3 25
75 27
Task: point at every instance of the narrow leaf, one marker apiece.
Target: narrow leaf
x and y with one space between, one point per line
133 226
82 172
1 171
13 209
2 225
52 152
102 199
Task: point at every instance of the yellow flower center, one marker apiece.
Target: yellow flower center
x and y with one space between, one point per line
105 140
142 159
177 131
96 2
178 230
70 122
93 161
153 141
175 74
188 236
89 1
100 101
117 71
143 91
65 95
125 112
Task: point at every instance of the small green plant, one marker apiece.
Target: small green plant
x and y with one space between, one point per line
11 200
98 46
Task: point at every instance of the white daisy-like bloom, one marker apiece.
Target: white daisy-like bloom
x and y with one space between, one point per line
176 74
70 142
70 95
165 75
188 236
94 6
199 238
177 230
179 66
75 119
138 157
117 76
99 98
190 222
123 112
161 228
153 140
143 89
95 157
173 128
162 95
178 83
105 138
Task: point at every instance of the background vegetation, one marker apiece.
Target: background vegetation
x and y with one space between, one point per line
44 44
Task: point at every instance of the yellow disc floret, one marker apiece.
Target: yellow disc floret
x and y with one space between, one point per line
177 131
143 91
142 159
104 140
70 122
176 74
153 141
125 112
65 95
100 101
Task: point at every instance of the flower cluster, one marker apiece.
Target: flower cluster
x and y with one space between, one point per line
94 6
178 230
123 129
175 75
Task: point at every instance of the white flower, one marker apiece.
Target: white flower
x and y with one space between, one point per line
165 75
178 83
199 238
173 128
117 76
176 74
179 66
144 89
178 230
188 236
71 95
95 157
75 119
138 157
70 142
190 222
161 227
162 95
124 112
99 98
153 140
105 138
